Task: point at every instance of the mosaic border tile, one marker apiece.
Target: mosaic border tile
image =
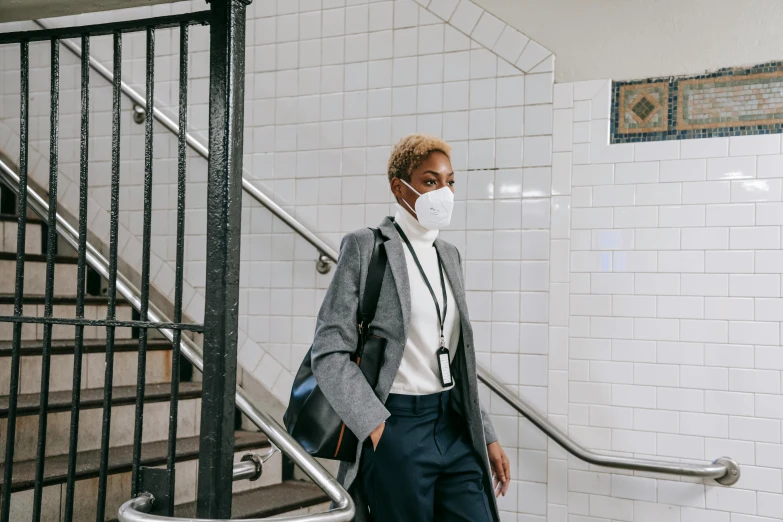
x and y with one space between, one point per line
730 102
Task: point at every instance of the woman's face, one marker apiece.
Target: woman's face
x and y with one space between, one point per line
435 172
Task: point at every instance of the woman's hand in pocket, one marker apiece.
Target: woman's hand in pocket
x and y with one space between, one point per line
375 436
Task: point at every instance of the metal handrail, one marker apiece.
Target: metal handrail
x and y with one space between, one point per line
344 506
724 470
326 253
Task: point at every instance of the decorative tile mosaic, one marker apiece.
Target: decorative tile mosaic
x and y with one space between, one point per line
730 102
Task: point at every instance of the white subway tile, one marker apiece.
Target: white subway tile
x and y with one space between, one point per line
589 482
562 128
659 194
658 239
681 493
754 381
612 239
680 353
510 122
764 480
656 329
633 351
677 307
735 215
759 430
657 150
589 393
706 192
756 190
593 349
633 396
769 166
538 121
769 357
583 218
728 308
613 195
768 261
679 216
703 424
729 403
561 173
770 406
705 284
743 452
633 441
655 512
770 454
769 214
704 515
729 262
683 170
754 285
705 238
731 168
657 284
682 446
679 399
602 283
611 328
593 175
705 148
704 378
591 305
611 372
635 261
681 261
633 306
743 332
636 488
656 420
768 309
632 173
656 374
754 145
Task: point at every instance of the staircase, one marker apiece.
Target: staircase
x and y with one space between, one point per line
267 496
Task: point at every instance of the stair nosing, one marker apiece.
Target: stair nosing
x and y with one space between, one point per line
243 441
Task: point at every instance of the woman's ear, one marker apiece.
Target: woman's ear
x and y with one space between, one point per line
396 187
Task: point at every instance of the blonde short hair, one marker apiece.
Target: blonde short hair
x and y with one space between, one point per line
411 151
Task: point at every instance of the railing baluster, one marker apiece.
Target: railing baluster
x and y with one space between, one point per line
24 117
51 248
145 264
182 157
80 278
112 304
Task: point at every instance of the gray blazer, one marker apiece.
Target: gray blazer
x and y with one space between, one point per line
358 405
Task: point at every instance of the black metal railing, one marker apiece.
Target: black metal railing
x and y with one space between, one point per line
226 19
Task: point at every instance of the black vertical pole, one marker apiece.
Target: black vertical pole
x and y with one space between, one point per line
224 198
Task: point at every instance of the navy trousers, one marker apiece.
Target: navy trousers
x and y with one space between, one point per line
424 468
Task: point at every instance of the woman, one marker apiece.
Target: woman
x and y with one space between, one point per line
427 449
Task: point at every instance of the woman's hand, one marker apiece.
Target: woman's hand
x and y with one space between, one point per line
501 469
375 436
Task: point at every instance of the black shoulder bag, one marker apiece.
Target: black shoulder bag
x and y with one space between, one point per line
310 418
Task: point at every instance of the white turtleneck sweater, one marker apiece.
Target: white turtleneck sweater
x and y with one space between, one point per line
418 373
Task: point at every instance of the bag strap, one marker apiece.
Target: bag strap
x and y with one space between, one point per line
372 286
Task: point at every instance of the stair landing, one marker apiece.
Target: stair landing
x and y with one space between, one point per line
20 10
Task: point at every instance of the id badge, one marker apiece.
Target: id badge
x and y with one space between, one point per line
444 364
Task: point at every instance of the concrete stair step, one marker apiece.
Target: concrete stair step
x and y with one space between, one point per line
33 234
120 460
66 347
288 496
30 404
63 307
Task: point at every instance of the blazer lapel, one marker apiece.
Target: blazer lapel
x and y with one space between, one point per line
399 268
454 274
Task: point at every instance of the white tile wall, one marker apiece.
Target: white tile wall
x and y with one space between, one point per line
674 315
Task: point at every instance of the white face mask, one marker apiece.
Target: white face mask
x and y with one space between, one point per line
433 209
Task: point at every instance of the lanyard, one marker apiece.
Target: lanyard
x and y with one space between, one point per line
427 282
